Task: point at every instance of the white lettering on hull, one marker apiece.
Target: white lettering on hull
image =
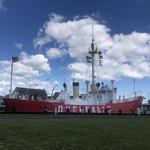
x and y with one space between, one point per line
87 109
74 108
93 109
81 110
60 108
98 109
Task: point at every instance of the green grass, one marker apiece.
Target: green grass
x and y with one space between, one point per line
47 132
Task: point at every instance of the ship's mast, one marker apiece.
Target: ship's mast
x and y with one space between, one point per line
92 52
93 56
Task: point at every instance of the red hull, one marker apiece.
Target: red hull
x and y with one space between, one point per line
14 105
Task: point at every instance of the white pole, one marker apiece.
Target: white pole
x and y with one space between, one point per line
11 75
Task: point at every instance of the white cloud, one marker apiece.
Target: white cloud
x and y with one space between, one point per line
55 53
125 55
80 70
25 72
73 34
37 62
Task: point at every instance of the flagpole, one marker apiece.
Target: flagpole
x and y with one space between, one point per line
11 76
14 59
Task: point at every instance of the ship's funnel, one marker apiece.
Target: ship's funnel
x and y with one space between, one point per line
75 89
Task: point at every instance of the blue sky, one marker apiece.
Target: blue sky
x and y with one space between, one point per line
51 38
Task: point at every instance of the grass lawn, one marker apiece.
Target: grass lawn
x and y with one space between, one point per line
48 132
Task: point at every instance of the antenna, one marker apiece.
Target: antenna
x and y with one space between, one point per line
92 31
